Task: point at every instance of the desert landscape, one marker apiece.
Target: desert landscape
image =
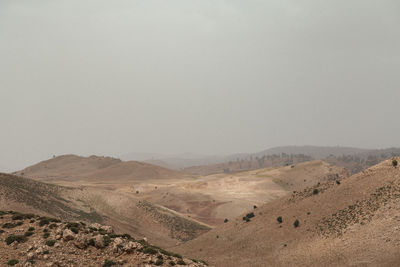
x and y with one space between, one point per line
199 133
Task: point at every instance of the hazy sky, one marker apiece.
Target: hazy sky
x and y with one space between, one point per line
112 77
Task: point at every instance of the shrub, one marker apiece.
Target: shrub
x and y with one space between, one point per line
181 262
279 219
29 233
250 215
172 263
159 262
46 252
394 163
13 262
50 242
107 240
46 235
315 191
226 220
31 229
337 182
9 225
254 207
91 242
108 263
43 222
53 225
18 238
296 223
74 230
149 250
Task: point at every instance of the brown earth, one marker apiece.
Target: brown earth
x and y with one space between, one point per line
348 222
124 211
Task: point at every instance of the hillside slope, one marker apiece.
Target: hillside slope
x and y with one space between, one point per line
352 222
95 169
124 211
30 240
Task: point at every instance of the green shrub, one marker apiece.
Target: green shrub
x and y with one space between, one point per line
108 263
43 222
296 223
18 238
172 263
29 233
226 220
107 240
394 163
159 262
51 242
13 262
46 252
279 219
74 230
315 191
150 250
46 235
181 262
9 225
91 242
31 229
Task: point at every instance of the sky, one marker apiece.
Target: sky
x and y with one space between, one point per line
203 76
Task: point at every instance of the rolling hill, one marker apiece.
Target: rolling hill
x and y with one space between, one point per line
95 169
123 211
346 222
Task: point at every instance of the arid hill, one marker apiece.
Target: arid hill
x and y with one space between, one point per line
124 211
95 169
346 222
30 240
214 198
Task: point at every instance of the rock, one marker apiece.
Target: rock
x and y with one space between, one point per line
81 241
117 244
108 229
131 246
95 225
58 237
68 235
45 257
99 241
31 255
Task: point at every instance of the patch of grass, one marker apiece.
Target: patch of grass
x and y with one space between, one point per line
18 238
12 262
108 263
51 242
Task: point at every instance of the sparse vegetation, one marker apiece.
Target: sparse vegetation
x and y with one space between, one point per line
13 262
226 220
31 229
16 238
315 191
296 223
159 262
394 163
181 262
108 263
279 219
172 263
51 242
46 235
28 233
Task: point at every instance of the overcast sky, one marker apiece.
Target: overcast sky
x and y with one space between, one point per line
211 77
